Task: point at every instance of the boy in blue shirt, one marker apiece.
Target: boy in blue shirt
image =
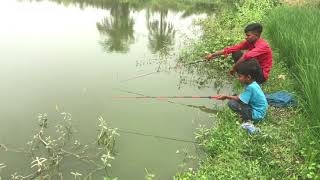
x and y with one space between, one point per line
252 103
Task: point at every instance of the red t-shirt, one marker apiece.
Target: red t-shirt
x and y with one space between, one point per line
260 50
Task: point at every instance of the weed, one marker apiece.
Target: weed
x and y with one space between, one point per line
49 151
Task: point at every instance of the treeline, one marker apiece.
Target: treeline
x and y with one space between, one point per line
189 6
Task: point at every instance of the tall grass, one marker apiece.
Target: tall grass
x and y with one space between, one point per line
294 30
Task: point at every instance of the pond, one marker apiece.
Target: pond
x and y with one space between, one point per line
79 57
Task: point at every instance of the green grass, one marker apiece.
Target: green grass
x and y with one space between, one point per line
288 146
295 32
274 153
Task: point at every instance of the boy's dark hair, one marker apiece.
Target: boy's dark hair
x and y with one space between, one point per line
249 67
254 27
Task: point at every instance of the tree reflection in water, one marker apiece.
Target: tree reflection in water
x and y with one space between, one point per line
117 33
161 32
117 30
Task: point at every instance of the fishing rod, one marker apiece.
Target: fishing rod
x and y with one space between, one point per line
202 108
199 61
142 96
166 97
195 62
164 137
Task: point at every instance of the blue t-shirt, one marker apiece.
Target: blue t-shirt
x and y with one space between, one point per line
254 96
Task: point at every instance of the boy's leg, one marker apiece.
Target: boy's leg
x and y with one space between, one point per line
244 110
236 55
260 77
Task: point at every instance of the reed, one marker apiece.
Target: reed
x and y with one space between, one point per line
294 30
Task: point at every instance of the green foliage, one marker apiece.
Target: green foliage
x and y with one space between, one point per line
313 3
280 77
287 147
226 27
233 154
295 31
223 29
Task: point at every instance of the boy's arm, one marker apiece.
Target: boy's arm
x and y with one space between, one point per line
243 45
233 98
217 53
228 50
229 97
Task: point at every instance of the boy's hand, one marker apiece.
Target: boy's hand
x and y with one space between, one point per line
209 57
233 70
222 97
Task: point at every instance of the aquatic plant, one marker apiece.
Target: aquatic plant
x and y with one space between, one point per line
49 151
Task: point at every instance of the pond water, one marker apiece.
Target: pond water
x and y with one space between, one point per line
76 56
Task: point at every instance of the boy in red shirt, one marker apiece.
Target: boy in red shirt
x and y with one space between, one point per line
254 47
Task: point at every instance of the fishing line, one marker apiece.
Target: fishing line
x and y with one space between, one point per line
139 76
155 136
142 96
158 71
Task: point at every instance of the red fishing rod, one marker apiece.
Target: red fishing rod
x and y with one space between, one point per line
202 108
166 97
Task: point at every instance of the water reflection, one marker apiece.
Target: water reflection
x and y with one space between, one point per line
118 33
189 7
161 31
201 108
117 29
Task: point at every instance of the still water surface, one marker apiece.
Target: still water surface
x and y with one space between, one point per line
75 57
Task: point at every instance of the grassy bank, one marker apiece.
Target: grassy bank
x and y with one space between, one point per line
288 146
